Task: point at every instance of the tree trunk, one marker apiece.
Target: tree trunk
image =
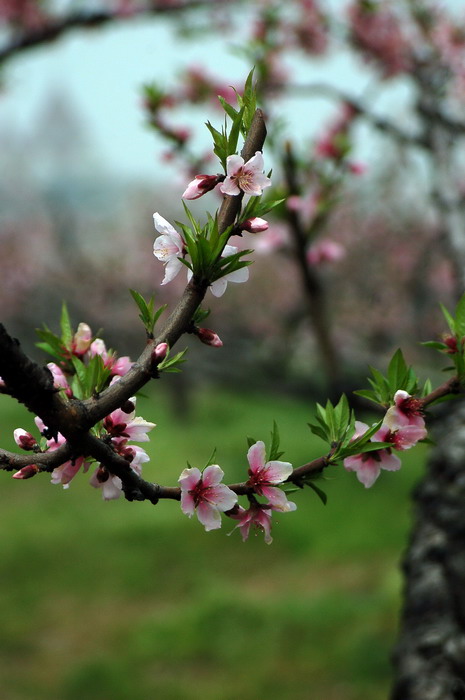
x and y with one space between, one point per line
429 658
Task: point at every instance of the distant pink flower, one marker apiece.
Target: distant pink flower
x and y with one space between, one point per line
325 251
200 185
254 225
257 516
357 168
209 337
245 177
407 410
263 477
306 206
203 494
368 465
273 239
168 247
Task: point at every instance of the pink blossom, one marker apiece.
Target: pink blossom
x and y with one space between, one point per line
368 465
257 516
126 426
325 251
203 493
406 411
121 366
264 475
246 177
199 186
111 485
67 471
59 379
209 337
168 247
254 225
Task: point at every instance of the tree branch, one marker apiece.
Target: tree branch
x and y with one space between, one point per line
55 29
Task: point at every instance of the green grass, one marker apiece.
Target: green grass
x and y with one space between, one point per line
125 601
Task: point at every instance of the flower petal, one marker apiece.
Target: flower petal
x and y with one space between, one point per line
256 456
209 516
276 472
212 475
189 478
233 164
163 226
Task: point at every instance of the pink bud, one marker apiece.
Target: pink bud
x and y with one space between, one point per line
200 185
81 340
27 472
209 337
160 351
24 439
254 225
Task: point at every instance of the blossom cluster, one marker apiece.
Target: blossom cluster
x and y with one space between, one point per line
203 494
120 428
403 426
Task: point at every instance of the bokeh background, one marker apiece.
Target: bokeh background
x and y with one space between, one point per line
111 601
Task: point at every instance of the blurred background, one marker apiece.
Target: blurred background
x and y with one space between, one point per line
119 600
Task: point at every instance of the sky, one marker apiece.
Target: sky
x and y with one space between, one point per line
101 72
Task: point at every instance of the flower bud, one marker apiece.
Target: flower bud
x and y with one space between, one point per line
27 472
254 225
81 340
24 439
160 352
209 337
200 185
128 406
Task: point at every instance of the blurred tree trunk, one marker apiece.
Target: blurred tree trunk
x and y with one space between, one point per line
429 658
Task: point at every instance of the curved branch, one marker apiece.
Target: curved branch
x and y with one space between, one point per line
47 461
55 29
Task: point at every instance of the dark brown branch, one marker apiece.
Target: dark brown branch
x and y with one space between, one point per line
47 461
55 29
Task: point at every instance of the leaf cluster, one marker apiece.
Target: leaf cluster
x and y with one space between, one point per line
399 376
148 315
205 245
455 347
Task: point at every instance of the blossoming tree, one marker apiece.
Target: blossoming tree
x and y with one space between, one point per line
85 400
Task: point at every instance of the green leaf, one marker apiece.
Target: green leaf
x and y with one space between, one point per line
274 449
65 324
321 494
397 371
460 318
450 320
